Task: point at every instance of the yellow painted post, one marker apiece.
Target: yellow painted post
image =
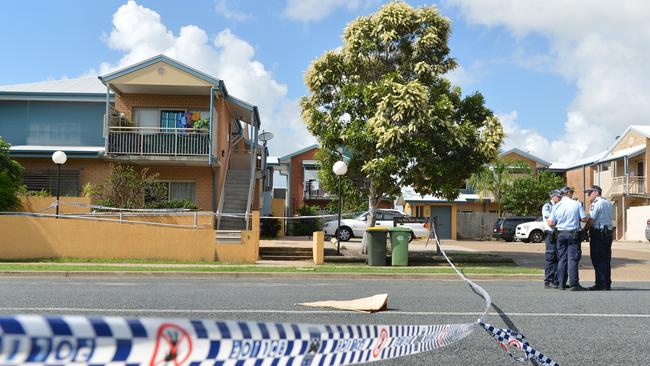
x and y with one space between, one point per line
256 233
319 247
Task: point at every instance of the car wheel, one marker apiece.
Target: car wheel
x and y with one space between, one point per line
411 237
345 234
537 236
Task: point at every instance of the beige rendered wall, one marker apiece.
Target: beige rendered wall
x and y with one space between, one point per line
38 237
42 205
247 250
636 222
631 139
277 210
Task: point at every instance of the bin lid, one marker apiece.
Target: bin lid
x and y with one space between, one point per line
400 228
377 228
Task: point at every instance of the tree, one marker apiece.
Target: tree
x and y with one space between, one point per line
10 178
384 97
527 194
493 180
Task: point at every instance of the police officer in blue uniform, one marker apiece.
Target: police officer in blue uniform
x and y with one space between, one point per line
566 217
550 258
600 238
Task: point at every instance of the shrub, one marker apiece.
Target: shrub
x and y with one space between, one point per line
269 228
174 204
10 172
304 227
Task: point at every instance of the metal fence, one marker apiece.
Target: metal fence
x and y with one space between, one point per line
157 141
475 225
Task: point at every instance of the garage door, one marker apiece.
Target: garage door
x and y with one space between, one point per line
443 215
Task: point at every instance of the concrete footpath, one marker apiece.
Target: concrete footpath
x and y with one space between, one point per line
630 260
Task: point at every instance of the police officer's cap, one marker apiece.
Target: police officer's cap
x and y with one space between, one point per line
594 188
555 192
566 189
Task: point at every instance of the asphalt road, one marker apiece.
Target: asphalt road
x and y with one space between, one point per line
573 328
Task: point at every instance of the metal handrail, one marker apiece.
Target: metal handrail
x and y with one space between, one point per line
162 141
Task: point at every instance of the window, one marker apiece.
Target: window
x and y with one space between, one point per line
168 118
177 191
419 211
388 216
38 180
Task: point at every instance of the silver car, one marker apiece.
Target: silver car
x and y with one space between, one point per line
647 230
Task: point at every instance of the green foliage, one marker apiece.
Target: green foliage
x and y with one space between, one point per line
10 178
202 124
304 227
23 191
527 195
384 97
492 181
89 190
269 228
125 188
173 204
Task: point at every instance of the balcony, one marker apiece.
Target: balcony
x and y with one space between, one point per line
158 141
314 192
626 186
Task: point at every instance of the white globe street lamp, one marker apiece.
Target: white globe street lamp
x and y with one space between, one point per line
59 158
339 168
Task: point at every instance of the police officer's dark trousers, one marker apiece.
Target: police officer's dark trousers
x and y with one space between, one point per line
600 250
550 258
569 253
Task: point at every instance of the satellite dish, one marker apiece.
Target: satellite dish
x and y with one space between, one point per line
265 136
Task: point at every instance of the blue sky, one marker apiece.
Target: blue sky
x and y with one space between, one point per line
538 63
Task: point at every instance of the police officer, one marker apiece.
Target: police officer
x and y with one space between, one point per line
566 216
550 269
600 238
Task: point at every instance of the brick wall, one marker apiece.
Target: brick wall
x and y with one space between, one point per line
126 102
297 180
574 178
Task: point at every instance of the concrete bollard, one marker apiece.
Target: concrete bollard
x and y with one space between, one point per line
319 247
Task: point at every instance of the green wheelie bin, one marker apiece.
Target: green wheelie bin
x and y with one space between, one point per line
399 243
377 245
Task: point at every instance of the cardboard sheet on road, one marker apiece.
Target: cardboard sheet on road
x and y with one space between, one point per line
370 304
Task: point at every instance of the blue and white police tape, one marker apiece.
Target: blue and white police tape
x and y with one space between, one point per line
33 339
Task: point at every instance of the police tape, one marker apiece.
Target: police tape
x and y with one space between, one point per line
34 339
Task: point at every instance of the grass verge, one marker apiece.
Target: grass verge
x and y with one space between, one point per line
357 269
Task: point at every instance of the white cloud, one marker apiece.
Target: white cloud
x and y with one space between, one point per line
599 45
140 33
224 8
307 11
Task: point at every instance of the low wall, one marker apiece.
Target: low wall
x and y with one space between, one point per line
26 237
204 220
637 218
40 204
247 250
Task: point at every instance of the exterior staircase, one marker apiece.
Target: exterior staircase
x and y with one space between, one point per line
235 196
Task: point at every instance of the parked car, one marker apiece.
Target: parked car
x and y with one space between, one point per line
530 232
504 227
647 230
351 228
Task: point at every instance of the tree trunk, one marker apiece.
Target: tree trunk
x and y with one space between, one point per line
372 209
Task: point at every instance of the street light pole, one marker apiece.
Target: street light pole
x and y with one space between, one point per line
59 158
338 239
339 168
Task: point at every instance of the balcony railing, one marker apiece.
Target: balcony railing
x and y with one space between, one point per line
316 194
158 141
626 185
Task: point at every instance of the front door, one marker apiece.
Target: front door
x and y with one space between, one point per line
443 216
